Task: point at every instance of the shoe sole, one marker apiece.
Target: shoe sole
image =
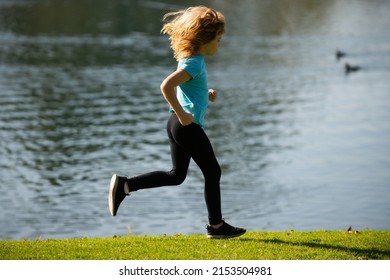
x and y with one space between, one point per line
111 194
224 236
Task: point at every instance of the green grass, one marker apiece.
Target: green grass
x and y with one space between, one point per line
290 245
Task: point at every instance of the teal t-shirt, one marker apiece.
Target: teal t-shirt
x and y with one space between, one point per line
193 94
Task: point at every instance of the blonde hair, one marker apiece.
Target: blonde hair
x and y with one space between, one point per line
189 29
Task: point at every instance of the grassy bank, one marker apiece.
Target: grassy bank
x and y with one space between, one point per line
291 245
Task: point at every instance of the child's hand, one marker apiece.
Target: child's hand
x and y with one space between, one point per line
185 118
213 94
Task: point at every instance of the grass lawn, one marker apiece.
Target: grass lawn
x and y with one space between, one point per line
289 245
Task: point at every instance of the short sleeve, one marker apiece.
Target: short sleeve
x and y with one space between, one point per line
191 66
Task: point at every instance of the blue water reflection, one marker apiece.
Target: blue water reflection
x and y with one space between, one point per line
302 145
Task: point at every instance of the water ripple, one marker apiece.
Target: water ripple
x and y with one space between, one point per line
301 145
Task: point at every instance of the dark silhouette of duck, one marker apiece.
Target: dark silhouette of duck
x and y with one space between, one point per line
349 68
340 54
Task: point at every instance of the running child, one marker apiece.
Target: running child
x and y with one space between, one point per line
194 33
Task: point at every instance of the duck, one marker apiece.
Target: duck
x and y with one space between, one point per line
349 68
340 54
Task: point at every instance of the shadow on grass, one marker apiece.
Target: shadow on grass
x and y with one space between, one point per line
373 254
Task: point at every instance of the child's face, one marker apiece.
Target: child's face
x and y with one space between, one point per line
211 47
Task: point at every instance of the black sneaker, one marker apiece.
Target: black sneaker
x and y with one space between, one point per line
116 194
224 231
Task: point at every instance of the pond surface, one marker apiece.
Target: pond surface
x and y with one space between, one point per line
302 144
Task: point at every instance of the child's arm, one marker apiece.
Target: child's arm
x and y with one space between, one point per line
168 90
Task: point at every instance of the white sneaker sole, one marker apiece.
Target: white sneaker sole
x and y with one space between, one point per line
111 194
224 236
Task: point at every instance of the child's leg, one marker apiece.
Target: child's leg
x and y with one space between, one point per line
176 176
180 162
194 139
186 142
203 154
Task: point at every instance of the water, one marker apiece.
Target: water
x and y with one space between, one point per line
301 144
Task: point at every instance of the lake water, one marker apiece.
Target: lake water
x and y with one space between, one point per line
302 144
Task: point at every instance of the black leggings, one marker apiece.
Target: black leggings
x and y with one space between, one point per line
187 142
